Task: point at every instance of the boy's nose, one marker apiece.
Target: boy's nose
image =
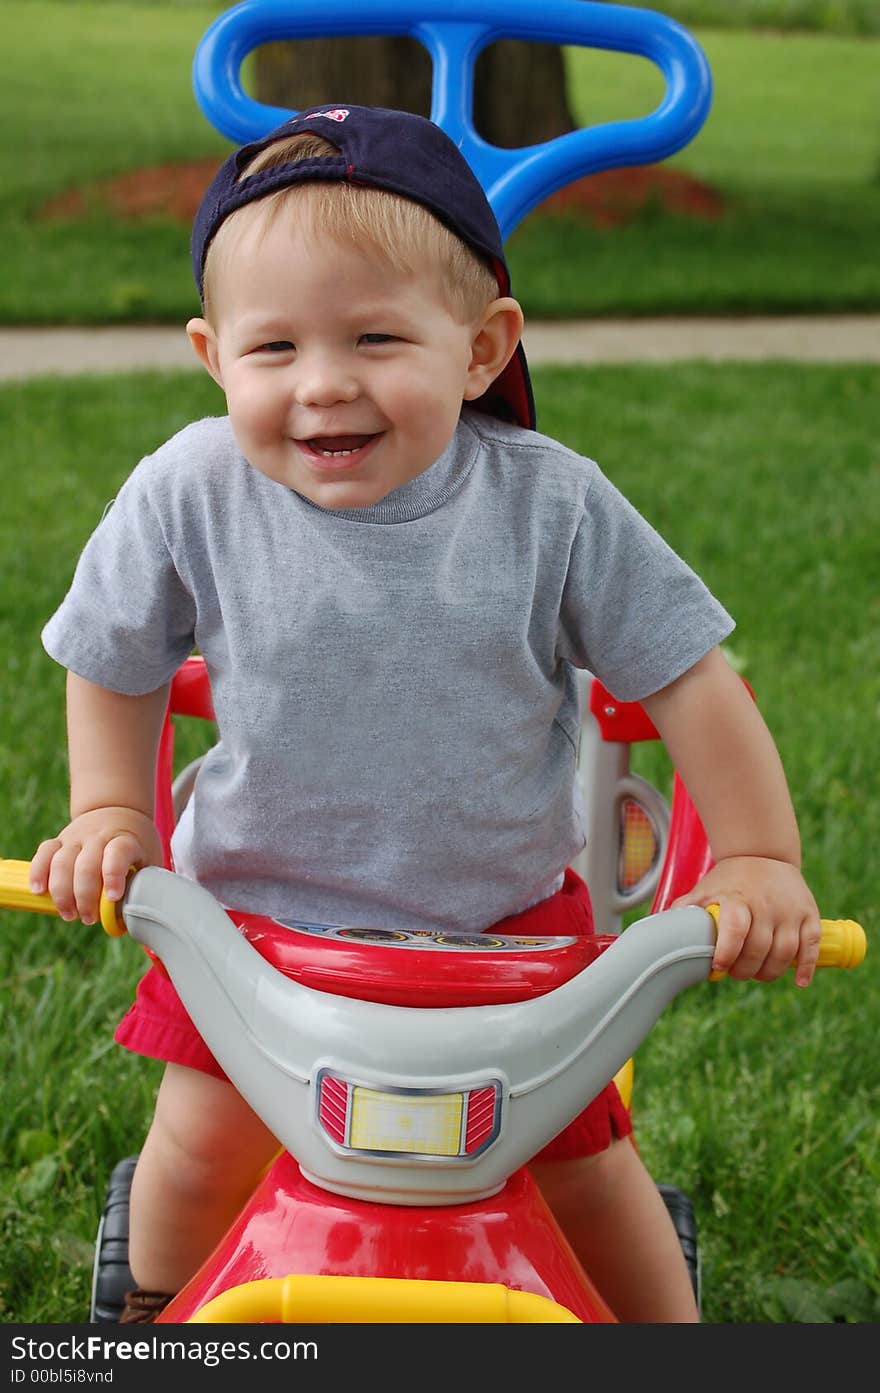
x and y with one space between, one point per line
321 381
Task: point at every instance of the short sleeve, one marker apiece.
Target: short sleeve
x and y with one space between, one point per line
633 612
127 621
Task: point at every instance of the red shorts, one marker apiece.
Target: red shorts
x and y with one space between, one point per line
157 1025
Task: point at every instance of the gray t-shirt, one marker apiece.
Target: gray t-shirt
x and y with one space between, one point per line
394 685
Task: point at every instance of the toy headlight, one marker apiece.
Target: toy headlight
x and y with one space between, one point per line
413 1122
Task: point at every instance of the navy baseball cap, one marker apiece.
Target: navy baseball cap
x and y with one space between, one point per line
382 149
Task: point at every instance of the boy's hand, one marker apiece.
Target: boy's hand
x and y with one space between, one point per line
767 918
94 851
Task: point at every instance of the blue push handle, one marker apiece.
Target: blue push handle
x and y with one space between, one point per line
454 32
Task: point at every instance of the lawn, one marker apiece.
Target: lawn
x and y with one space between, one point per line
792 142
761 1101
93 90
828 16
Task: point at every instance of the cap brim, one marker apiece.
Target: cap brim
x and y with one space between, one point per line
510 397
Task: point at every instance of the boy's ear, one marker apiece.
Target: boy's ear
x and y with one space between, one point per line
204 342
494 344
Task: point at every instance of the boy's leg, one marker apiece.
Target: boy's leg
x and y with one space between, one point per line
202 1157
614 1217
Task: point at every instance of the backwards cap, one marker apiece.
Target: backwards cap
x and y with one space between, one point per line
382 149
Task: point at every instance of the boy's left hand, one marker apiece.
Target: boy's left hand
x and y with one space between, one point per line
767 918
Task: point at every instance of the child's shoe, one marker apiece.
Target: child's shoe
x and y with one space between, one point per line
142 1307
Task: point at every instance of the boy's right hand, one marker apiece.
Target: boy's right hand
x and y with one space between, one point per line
94 851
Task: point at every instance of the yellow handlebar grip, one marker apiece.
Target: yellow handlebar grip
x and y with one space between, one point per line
843 943
15 891
110 917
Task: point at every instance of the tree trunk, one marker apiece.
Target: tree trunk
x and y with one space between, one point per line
519 88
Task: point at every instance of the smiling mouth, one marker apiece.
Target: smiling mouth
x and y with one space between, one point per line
337 447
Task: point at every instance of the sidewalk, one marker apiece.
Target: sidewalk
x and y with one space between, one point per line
30 352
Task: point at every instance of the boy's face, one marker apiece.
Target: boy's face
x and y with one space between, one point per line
343 377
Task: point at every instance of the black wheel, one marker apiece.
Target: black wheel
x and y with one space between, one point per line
681 1212
111 1277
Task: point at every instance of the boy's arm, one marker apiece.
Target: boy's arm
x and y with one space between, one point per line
112 744
726 756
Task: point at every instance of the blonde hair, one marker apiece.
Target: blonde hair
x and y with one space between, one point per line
399 230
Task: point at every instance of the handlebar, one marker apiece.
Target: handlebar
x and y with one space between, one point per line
304 1058
843 943
15 893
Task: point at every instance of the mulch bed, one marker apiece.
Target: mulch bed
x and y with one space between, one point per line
606 200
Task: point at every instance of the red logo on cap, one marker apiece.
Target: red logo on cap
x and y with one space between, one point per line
339 113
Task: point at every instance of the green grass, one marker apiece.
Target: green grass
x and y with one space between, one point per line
829 16
792 142
789 112
825 16
92 90
761 1101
